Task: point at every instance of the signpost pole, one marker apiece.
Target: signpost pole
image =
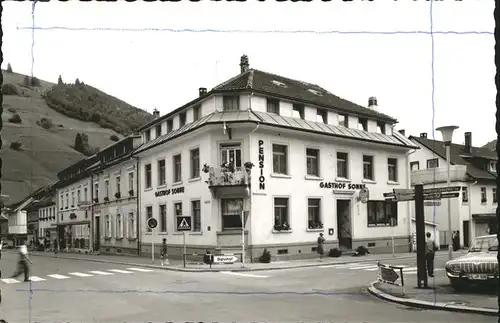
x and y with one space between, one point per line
392 238
153 246
184 248
420 228
242 239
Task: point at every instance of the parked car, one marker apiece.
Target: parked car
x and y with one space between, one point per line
478 266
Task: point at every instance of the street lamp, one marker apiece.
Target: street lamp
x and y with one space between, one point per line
447 134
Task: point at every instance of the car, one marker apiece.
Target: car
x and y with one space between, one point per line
478 266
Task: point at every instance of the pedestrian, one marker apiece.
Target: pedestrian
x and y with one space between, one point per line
163 252
23 264
429 254
321 250
56 245
1 246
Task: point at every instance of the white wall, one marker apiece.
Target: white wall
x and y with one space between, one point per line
47 211
17 222
423 154
433 228
66 208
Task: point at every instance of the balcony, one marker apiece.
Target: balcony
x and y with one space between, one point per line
458 173
228 181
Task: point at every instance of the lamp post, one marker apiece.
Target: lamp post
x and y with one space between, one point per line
447 134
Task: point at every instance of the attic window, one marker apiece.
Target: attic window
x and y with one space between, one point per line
322 116
298 111
315 92
278 83
381 127
182 119
158 130
148 135
493 167
170 125
363 124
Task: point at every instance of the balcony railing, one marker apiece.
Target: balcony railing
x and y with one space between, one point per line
227 177
439 175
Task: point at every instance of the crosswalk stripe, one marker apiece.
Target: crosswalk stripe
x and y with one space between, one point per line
372 269
141 270
362 267
98 272
243 274
80 274
414 272
120 271
36 279
10 281
57 276
409 269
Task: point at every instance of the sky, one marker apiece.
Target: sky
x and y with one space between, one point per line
106 45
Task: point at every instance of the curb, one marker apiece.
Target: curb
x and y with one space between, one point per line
220 269
430 305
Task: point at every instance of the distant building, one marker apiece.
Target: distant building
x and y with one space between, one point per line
474 170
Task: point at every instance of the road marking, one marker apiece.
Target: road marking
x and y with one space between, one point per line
409 269
36 279
243 275
97 272
57 276
395 269
362 267
80 274
415 271
120 271
10 281
141 270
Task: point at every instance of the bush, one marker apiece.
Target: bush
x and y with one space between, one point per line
114 138
15 119
11 89
9 68
45 123
11 110
335 252
60 81
265 257
16 145
31 81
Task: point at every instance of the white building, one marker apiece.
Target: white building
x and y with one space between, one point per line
474 170
313 153
47 218
114 198
18 221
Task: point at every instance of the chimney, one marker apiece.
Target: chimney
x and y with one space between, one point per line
203 91
244 65
372 102
423 135
402 131
468 142
156 113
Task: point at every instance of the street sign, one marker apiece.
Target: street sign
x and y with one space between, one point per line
442 189
223 259
403 191
434 196
152 223
388 195
183 223
449 195
401 197
432 203
388 274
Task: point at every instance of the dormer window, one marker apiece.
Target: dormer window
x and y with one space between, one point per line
278 83
315 92
298 111
158 130
381 127
182 119
363 124
196 112
493 167
273 106
343 120
322 116
231 103
148 135
170 125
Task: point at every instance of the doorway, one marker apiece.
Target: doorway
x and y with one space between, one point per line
466 231
97 235
344 224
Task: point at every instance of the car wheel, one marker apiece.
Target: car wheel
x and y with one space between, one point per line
457 284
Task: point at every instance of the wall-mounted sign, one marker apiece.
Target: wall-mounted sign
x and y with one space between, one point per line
341 186
364 195
262 179
168 191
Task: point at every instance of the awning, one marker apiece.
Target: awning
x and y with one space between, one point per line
484 217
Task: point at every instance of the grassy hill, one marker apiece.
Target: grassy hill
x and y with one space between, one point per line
51 116
492 145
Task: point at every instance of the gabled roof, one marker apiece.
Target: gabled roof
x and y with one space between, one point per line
270 119
459 156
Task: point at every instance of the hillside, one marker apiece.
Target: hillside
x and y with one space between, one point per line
47 135
492 145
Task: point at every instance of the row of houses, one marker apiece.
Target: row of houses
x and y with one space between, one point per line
290 157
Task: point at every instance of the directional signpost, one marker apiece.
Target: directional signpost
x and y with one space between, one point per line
183 225
388 275
225 259
152 223
421 197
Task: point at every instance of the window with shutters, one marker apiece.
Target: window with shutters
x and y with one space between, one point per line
119 226
131 225
196 215
149 214
163 218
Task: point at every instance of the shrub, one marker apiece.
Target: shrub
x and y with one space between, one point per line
16 145
60 81
11 110
45 123
9 68
35 81
15 119
77 82
11 89
265 257
114 138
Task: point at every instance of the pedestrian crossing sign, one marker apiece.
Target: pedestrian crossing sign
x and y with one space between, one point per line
184 223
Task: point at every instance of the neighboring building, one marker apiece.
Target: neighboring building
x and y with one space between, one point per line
38 213
47 219
18 218
474 170
114 198
73 206
312 154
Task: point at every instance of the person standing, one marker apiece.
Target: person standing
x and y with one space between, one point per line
163 252
23 264
321 250
429 254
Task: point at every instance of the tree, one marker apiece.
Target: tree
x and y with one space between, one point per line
9 68
79 143
26 81
60 81
77 82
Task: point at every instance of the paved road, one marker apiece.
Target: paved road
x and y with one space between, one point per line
98 292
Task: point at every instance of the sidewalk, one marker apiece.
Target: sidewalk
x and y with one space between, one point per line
440 296
177 265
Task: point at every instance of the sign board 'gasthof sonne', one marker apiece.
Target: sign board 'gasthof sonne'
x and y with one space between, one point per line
173 191
341 186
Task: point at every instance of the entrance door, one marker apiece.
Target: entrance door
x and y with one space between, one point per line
344 224
466 230
97 235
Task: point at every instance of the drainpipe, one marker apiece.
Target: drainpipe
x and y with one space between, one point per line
92 237
472 233
138 223
408 180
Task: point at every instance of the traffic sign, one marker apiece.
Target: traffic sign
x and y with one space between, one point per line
432 203
405 197
152 223
442 189
403 191
225 259
391 194
183 223
449 195
388 274
434 196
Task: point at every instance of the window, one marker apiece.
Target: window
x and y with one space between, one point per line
433 163
362 124
343 120
298 111
107 229
273 106
231 213
162 175
281 221
106 188
163 218
170 125
314 214
493 167
72 198
131 182
494 195
483 195
196 112
147 176
85 194
177 210
96 191
368 167
381 127
231 103
78 197
67 200
312 161
322 116
158 130
342 163
182 119
280 159
196 215
195 163
382 213
119 226
177 169
149 214
131 225
148 135
62 201
414 165
392 168
118 185
231 154
465 194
